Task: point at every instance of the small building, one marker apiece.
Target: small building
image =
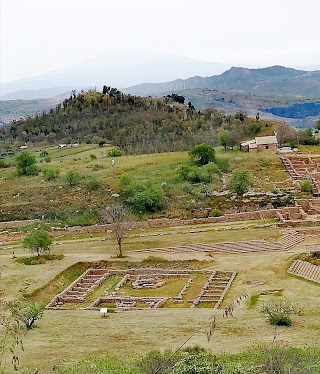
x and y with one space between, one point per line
260 143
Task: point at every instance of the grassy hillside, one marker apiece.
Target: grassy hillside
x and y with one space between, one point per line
33 196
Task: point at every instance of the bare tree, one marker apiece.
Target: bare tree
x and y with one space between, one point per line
117 214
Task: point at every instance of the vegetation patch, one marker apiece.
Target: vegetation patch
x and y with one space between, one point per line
37 260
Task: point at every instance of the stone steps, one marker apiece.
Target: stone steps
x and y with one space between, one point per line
305 270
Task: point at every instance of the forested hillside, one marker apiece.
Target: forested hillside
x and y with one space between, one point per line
135 124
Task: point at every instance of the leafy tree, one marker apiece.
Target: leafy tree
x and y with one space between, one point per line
306 186
224 138
240 181
26 164
73 178
177 98
202 154
38 240
317 125
117 214
278 312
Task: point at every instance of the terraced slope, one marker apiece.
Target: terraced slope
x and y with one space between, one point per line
305 270
284 243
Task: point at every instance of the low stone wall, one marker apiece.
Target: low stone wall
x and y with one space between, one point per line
169 222
9 236
14 224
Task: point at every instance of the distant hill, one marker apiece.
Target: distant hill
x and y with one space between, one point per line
135 124
119 68
42 93
275 80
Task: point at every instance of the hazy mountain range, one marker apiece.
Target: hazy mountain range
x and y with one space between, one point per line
122 68
274 80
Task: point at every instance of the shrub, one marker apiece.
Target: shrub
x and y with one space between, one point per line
3 165
141 197
26 164
196 174
223 164
97 167
36 260
73 178
212 168
47 159
44 153
82 219
216 213
306 185
147 200
278 312
115 152
240 181
92 184
50 174
93 156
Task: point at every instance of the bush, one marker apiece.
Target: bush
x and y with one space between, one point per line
306 185
36 260
3 165
195 174
216 213
44 153
82 219
50 174
280 321
47 159
26 164
92 184
93 156
73 178
240 181
97 167
115 152
147 200
278 312
223 164
141 197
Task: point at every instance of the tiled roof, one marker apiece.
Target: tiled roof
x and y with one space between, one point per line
266 140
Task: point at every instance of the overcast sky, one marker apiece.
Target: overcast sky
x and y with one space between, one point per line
42 35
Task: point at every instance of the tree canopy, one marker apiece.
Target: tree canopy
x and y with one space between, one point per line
202 154
38 240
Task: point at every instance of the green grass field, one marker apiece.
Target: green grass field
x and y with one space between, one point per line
73 334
